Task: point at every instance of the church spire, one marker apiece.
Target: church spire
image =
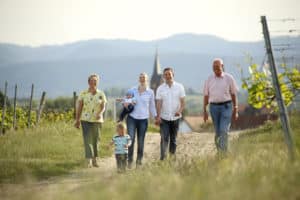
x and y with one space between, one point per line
156 78
156 69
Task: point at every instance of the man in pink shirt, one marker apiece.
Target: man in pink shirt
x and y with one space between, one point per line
220 92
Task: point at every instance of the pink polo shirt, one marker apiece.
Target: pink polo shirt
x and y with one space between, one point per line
220 89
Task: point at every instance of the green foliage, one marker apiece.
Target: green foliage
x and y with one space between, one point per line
261 92
2 100
22 117
59 104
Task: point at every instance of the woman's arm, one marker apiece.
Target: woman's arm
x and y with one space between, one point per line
152 106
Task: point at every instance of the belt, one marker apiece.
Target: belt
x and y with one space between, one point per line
220 103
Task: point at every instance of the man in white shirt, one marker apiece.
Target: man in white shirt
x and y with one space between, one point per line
170 104
220 92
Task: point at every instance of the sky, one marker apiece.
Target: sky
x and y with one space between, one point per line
52 22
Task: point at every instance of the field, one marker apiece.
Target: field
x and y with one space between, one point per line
257 167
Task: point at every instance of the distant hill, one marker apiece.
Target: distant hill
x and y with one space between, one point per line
62 69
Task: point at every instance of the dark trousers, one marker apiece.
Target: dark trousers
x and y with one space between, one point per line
126 111
168 133
121 162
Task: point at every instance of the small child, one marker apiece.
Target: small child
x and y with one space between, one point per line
121 141
128 103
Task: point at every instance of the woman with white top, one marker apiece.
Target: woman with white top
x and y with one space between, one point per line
137 120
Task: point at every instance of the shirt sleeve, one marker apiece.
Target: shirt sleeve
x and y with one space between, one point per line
182 91
104 97
80 97
205 88
158 93
233 86
152 105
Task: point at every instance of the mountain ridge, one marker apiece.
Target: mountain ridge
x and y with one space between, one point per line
62 69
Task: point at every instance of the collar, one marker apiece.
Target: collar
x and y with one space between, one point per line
222 75
166 85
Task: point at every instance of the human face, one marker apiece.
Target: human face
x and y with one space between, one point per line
168 76
93 82
121 131
218 68
143 79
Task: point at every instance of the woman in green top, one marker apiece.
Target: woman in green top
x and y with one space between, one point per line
91 105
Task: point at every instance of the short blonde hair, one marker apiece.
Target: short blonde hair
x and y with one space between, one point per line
121 125
94 75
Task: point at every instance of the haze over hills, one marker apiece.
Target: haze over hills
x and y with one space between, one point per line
61 69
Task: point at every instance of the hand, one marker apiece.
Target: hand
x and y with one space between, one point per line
126 105
177 114
77 124
205 116
235 114
157 121
98 116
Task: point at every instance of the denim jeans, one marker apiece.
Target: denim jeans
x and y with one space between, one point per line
138 126
168 132
221 117
91 138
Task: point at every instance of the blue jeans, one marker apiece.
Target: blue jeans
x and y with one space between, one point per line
221 117
138 126
168 132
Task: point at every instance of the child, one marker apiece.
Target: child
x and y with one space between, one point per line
121 141
128 103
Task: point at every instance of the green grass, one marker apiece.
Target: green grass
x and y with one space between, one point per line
257 167
45 151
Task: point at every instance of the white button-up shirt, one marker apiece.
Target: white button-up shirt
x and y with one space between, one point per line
144 104
170 97
220 89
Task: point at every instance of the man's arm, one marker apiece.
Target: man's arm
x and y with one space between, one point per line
158 109
235 110
182 105
205 103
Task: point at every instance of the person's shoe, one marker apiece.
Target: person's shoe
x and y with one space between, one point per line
95 162
89 163
129 165
138 164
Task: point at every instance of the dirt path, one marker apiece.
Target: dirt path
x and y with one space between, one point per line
189 145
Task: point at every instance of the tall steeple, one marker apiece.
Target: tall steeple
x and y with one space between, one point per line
156 69
156 78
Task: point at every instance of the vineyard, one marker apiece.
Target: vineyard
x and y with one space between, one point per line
22 118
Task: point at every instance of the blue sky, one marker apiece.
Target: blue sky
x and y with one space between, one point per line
45 22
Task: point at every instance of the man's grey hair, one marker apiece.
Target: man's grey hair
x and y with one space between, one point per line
218 59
